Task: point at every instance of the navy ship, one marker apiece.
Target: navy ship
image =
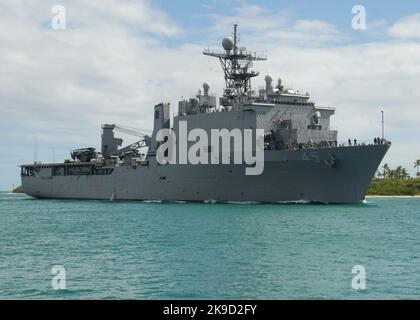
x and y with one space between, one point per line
301 158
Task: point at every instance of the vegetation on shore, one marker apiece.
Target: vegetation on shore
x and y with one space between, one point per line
394 187
18 190
395 182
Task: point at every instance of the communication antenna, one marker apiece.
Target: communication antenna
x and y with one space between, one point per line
236 63
383 125
36 149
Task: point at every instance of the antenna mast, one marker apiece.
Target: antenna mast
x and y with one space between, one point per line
236 63
383 130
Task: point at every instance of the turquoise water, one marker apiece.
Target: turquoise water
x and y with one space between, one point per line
134 250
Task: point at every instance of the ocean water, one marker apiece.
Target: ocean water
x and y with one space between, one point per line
135 250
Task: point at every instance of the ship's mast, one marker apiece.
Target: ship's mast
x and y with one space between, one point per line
236 62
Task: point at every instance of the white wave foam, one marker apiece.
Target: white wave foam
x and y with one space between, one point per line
152 201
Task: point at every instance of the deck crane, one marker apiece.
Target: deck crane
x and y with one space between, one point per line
133 149
141 133
111 144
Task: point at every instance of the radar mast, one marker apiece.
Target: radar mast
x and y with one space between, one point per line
236 63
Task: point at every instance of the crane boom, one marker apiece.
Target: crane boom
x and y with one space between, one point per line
132 131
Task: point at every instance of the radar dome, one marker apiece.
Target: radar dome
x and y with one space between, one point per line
227 44
206 86
268 79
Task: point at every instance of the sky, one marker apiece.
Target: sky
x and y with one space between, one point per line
116 59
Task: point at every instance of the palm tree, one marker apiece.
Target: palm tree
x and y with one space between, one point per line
403 174
417 165
400 173
386 171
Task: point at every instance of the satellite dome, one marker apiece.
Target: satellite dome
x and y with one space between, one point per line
206 86
227 44
268 79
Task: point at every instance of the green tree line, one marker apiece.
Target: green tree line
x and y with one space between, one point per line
395 181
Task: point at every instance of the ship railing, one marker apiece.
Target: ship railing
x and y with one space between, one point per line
324 145
303 146
356 143
285 102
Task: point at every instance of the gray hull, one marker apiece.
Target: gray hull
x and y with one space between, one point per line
289 176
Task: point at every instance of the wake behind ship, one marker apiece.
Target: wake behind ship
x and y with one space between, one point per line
302 159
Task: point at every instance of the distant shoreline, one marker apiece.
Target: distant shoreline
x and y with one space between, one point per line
18 190
394 188
392 196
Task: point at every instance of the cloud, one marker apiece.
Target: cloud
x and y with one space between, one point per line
252 19
96 69
260 25
141 15
407 28
59 86
308 33
377 27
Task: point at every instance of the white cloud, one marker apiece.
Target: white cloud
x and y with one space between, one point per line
260 25
59 85
407 27
141 15
307 32
97 69
376 26
252 19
